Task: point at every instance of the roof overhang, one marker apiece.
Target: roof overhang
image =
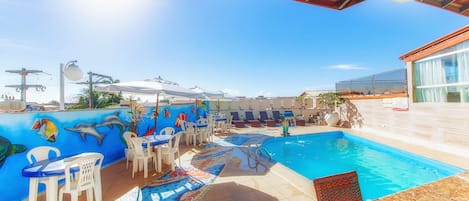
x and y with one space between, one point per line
334 4
439 44
457 6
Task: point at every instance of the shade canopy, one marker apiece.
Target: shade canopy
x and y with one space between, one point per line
155 86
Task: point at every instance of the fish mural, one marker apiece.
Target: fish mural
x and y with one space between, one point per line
193 110
181 117
87 129
7 149
47 129
166 113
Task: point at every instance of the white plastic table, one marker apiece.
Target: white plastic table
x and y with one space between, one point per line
52 169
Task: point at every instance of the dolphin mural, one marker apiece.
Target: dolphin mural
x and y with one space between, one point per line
6 149
112 120
90 129
47 129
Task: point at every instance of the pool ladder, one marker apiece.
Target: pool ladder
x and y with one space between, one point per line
257 152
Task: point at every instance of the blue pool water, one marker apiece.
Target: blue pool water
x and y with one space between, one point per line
382 170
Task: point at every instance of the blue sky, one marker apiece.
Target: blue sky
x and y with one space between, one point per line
245 47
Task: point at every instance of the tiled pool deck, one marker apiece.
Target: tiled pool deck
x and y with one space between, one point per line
240 180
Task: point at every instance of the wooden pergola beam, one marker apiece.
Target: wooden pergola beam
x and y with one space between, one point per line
446 3
464 8
344 3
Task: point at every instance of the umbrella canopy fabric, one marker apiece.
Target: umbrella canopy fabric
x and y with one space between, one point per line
150 86
156 86
207 93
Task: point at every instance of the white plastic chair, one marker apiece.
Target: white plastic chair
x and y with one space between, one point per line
41 153
202 131
38 154
183 125
130 147
191 133
227 125
142 155
167 131
82 179
172 148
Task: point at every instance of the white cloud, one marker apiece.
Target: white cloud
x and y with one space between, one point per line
346 67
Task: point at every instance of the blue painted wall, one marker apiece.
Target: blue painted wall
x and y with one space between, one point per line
17 128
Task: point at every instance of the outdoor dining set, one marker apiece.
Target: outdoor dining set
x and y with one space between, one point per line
80 172
164 147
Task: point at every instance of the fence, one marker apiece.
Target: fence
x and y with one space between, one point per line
390 82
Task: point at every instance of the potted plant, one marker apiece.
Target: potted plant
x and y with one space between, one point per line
331 100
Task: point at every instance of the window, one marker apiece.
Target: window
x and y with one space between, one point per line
444 76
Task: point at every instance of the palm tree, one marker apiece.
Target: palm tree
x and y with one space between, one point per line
100 99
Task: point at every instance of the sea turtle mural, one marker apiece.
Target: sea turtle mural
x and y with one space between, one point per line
7 149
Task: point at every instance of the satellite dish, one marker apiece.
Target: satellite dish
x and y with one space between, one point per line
73 72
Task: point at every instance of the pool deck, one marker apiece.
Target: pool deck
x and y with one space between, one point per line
273 181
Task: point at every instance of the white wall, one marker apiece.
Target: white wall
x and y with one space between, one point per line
440 126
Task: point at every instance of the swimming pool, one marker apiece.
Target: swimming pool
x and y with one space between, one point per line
382 170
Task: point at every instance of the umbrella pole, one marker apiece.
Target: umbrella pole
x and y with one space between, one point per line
196 110
156 109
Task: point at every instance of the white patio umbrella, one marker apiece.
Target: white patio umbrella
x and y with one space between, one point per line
206 94
156 86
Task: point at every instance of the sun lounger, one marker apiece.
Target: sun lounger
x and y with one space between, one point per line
250 118
276 115
236 121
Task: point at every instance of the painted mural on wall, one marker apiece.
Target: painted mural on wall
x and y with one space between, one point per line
6 149
46 129
72 133
89 129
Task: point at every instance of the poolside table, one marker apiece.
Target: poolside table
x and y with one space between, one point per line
52 169
219 118
201 125
156 141
219 124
